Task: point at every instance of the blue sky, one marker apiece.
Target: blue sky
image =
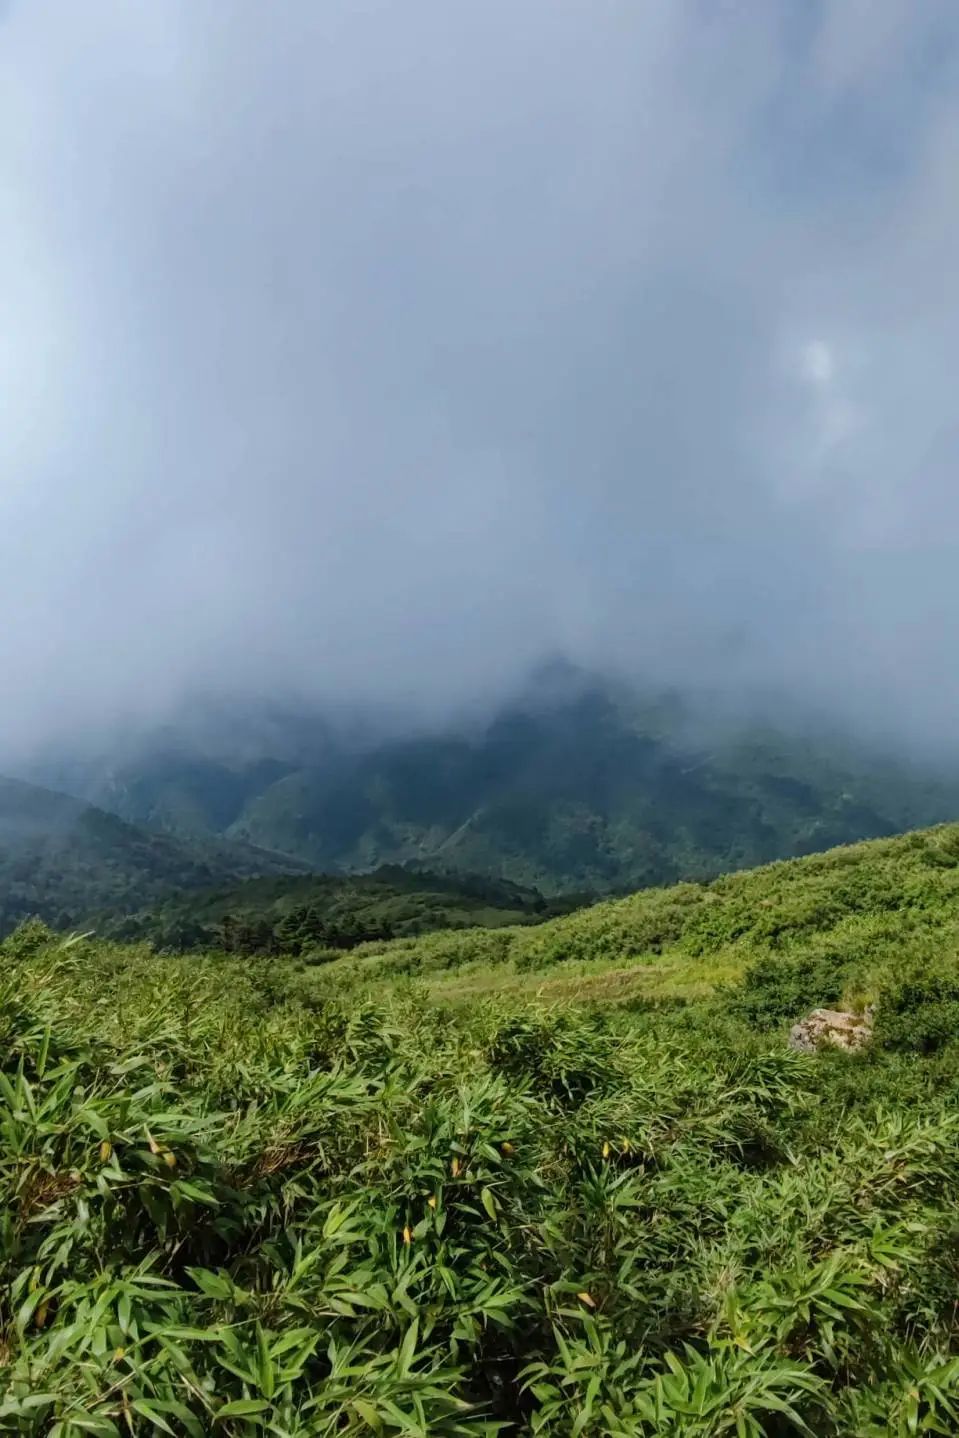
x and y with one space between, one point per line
373 351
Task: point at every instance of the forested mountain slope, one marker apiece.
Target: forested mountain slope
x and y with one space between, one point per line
590 787
323 912
68 861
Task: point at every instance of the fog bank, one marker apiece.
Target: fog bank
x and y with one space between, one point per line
364 354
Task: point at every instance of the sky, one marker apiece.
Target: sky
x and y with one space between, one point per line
369 352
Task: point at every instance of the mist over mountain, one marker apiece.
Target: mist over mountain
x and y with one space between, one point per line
70 863
463 462
579 782
380 351
377 355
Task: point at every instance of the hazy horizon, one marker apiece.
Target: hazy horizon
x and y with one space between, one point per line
361 356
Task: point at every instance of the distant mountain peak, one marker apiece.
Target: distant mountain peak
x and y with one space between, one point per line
580 782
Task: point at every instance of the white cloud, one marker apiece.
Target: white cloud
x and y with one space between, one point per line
372 348
816 363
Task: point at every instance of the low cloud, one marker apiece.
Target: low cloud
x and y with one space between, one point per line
370 352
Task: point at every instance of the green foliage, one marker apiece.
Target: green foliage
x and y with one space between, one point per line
27 938
918 1010
68 863
239 1198
318 914
778 987
406 1192
827 929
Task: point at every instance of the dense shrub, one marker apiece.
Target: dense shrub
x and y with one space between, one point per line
919 1011
563 1055
27 938
265 1198
778 987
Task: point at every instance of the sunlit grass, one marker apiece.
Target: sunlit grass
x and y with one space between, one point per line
557 1181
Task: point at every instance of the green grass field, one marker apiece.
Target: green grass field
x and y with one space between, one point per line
564 1180
844 915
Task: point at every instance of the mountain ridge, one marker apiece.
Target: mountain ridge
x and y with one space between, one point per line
67 861
582 784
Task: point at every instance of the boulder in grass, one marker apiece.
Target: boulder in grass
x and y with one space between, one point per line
836 1027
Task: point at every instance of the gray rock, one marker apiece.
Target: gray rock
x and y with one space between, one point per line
838 1027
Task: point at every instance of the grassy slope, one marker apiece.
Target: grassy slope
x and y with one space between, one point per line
854 911
245 1197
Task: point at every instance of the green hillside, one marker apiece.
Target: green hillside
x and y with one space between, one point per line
588 787
67 861
322 912
554 1181
834 923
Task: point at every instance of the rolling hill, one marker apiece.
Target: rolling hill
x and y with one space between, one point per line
68 861
825 928
323 913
